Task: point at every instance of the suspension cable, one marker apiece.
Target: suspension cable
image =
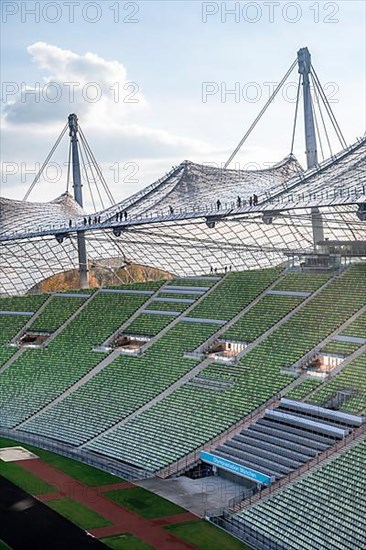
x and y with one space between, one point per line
38 175
317 100
99 173
329 109
97 168
87 178
93 178
270 100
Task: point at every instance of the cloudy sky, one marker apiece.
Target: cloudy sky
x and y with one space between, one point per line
151 81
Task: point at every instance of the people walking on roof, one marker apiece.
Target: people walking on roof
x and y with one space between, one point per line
70 223
89 220
85 221
117 216
255 200
125 214
238 202
171 209
250 201
218 204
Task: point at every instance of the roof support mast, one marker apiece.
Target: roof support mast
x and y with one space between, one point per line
78 196
304 64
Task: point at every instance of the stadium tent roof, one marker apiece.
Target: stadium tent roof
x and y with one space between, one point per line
182 242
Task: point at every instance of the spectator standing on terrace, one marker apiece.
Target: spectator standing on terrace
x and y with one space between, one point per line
218 204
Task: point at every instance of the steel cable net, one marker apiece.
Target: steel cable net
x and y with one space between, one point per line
167 222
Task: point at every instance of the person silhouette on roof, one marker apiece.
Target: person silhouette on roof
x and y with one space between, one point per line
218 204
250 201
238 202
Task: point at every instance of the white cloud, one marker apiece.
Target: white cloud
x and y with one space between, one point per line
87 84
117 118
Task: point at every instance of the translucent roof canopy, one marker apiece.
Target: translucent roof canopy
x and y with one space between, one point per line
175 224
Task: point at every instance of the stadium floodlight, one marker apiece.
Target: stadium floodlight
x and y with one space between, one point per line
361 212
210 223
60 237
267 217
212 220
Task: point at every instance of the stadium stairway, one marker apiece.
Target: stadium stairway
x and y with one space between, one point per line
86 302
54 334
238 316
284 319
20 351
32 319
183 380
104 363
100 366
357 353
312 353
179 318
135 315
12 360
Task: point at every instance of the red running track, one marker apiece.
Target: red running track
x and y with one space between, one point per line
122 519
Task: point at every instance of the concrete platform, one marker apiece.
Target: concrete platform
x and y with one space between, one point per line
12 454
195 495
